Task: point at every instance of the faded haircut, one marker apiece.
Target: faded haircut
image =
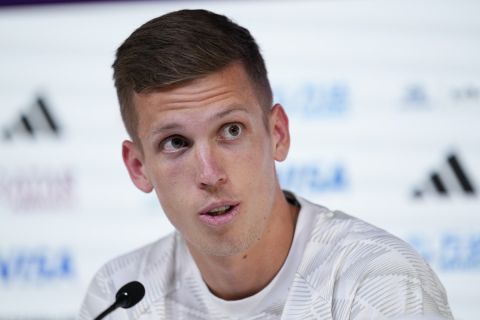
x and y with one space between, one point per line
181 46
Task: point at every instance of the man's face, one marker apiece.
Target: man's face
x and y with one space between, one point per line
209 156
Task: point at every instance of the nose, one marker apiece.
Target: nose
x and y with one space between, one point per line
210 173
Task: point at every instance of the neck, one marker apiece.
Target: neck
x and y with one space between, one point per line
244 274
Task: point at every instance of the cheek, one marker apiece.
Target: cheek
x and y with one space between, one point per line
255 163
169 181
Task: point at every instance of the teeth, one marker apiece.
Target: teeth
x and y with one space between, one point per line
219 210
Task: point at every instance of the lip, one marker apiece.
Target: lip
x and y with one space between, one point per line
221 219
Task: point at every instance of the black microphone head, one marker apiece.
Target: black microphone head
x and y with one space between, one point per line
130 294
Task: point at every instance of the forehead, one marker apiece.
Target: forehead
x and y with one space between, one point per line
232 78
216 92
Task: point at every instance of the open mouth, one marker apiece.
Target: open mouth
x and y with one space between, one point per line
219 211
220 214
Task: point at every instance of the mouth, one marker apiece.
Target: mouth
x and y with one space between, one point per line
220 214
219 211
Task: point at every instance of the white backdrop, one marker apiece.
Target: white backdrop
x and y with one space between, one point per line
380 94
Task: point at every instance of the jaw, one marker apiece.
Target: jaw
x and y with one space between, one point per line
235 270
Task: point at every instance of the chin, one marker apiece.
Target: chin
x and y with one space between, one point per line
230 247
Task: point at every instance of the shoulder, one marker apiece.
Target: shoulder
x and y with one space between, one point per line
347 234
358 264
139 264
153 265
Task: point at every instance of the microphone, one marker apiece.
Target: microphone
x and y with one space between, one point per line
126 297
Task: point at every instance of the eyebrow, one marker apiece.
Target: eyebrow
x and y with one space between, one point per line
234 108
219 115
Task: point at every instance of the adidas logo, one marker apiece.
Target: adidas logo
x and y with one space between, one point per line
452 178
38 119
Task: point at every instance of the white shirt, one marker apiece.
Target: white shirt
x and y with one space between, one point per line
338 267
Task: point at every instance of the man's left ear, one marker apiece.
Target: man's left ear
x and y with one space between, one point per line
279 132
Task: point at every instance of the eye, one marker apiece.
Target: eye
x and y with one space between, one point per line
174 144
231 131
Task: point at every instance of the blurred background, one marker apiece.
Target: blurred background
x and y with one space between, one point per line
384 106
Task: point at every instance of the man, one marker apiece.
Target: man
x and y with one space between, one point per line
197 103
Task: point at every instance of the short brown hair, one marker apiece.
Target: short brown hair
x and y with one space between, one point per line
181 46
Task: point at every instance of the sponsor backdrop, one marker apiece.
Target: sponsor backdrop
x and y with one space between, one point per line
384 106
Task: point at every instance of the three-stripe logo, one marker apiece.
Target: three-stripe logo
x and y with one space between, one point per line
452 178
37 120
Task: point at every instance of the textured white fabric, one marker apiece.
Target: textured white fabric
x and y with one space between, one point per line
339 267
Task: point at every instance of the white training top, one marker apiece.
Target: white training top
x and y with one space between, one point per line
338 267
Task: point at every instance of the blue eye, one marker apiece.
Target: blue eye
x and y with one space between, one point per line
174 144
231 131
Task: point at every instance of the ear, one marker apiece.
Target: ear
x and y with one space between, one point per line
133 159
279 132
